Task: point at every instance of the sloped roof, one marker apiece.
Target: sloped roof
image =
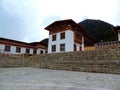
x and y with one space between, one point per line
68 21
5 39
20 43
44 43
14 42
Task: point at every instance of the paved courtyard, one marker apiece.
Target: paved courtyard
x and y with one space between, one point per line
42 79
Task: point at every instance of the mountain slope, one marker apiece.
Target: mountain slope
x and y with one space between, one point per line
99 30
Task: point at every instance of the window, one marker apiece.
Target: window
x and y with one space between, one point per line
54 37
27 50
7 48
46 51
41 51
75 47
18 49
62 35
62 47
34 51
80 48
53 48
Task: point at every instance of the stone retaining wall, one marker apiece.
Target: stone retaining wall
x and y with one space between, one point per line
102 61
13 61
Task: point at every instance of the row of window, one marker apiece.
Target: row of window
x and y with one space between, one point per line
62 47
75 48
18 50
62 36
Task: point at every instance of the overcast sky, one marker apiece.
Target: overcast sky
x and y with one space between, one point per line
25 20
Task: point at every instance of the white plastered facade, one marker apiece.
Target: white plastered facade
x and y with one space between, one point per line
23 50
68 41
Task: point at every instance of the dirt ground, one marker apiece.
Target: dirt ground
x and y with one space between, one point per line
42 79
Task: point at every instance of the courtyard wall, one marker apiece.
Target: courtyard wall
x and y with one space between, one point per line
99 60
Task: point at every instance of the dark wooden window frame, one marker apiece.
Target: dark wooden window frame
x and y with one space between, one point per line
18 49
53 48
7 48
41 51
80 48
34 51
62 35
75 47
62 47
54 37
46 51
27 50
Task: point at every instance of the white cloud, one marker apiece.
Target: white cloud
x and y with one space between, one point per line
26 10
34 15
76 9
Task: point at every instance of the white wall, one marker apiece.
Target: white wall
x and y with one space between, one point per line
13 49
82 44
39 51
2 46
31 51
68 41
77 46
23 50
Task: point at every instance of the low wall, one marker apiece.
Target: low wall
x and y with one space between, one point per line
108 45
102 61
13 60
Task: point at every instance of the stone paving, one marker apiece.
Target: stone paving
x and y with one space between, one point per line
43 79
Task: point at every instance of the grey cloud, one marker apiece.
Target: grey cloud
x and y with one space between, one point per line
11 26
